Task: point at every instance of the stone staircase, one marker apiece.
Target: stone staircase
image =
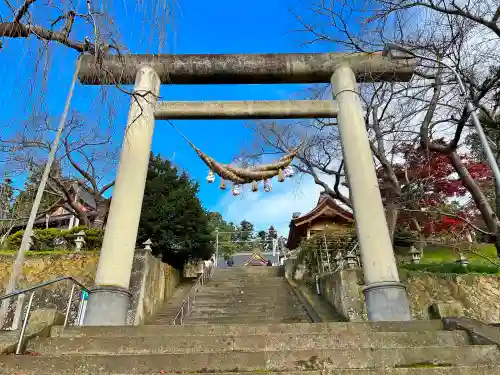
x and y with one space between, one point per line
247 295
253 346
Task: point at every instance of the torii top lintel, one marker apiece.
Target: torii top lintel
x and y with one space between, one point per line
244 68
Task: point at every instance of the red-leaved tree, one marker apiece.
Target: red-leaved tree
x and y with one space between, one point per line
432 191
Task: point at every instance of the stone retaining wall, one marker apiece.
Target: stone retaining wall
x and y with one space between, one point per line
477 295
151 283
342 291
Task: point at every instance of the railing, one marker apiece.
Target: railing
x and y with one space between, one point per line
32 289
187 303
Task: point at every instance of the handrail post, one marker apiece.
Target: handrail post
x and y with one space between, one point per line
69 305
25 324
188 302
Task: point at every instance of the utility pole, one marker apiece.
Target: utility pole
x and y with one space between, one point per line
26 240
216 247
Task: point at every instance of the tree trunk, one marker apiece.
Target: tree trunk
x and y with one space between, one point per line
421 238
479 198
84 219
497 211
102 211
392 214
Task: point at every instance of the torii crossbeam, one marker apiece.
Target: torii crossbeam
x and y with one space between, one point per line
244 68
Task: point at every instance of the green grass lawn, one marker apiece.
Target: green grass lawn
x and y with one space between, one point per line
443 260
447 255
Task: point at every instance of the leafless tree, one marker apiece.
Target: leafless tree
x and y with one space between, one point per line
465 36
32 19
85 161
84 26
428 111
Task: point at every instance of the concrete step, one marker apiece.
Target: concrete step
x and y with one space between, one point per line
251 277
163 321
254 281
265 315
245 309
8 334
245 302
228 297
424 370
251 343
261 292
248 319
204 322
256 361
228 275
246 284
244 305
257 298
246 276
272 289
249 303
255 329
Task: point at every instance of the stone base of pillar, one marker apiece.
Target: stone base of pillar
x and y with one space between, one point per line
107 306
387 301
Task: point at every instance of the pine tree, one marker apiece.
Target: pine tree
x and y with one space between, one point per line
172 215
246 229
272 233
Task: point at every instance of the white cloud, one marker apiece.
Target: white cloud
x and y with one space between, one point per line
299 194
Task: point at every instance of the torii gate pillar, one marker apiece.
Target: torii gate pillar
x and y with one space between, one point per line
385 296
109 301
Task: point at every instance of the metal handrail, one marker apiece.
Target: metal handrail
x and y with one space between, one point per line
187 303
32 289
43 284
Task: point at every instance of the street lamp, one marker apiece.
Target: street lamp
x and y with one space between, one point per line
393 51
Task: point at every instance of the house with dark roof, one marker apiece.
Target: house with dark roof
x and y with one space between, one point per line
60 216
328 213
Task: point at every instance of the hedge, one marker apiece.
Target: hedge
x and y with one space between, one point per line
59 239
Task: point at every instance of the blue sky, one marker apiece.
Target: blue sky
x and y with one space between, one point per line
223 26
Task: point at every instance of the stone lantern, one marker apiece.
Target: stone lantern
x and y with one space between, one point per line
463 261
358 256
338 259
80 240
350 258
147 245
415 255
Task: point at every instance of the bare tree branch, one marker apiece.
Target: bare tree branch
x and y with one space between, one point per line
22 11
18 30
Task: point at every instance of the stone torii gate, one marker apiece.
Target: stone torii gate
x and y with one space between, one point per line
386 297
